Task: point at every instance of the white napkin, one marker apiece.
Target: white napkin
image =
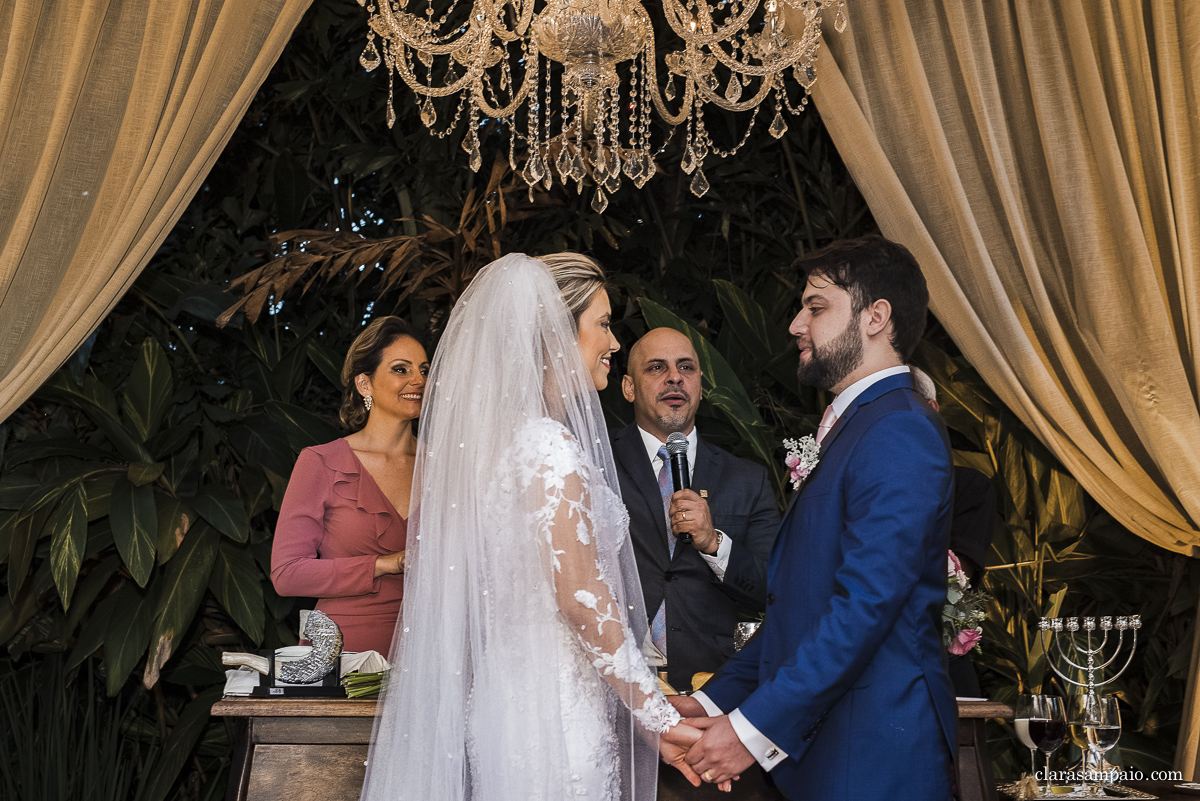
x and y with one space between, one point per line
241 681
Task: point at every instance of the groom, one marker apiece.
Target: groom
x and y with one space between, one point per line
844 693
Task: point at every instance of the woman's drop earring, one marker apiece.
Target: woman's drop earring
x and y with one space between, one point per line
367 402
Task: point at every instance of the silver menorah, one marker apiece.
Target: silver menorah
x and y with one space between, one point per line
1053 628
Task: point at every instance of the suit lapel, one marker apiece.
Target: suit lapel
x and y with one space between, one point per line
876 390
630 455
706 473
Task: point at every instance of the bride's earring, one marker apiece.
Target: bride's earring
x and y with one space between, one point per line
367 402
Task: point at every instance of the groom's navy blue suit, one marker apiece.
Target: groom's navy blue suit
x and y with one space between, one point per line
847 674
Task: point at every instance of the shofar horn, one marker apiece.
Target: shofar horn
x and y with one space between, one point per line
326 639
254 661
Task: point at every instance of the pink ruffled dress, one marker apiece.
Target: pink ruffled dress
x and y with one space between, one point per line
333 522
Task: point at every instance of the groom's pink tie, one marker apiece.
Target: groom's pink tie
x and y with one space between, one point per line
827 421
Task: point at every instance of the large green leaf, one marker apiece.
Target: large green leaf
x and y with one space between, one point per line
130 616
134 520
68 539
237 583
87 592
174 519
25 531
722 387
326 361
16 486
96 401
148 391
303 428
178 746
35 449
223 510
179 591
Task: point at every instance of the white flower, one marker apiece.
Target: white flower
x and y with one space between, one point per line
802 456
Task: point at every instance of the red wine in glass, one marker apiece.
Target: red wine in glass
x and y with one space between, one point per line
1047 735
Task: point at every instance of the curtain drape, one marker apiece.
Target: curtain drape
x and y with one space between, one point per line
1040 160
111 114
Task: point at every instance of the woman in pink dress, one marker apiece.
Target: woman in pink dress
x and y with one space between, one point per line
344 519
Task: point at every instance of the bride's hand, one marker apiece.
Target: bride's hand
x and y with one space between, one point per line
674 743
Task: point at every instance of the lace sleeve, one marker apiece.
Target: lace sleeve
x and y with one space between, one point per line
585 598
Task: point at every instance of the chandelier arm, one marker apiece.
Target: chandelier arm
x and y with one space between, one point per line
660 103
675 18
391 30
527 85
518 31
415 84
712 97
651 69
799 52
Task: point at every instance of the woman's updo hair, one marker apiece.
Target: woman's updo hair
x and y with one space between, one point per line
364 356
578 277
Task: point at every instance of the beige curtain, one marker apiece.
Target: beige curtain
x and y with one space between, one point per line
1040 160
111 114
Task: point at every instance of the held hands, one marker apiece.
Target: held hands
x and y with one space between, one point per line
690 515
674 744
719 756
389 564
692 709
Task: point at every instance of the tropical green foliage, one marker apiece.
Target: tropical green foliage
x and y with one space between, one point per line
139 486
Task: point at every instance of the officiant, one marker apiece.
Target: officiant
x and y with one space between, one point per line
692 589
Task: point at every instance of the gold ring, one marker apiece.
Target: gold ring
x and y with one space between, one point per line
707 777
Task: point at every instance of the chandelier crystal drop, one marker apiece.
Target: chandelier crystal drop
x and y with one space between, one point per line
574 80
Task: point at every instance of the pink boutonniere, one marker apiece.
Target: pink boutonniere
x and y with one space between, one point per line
802 456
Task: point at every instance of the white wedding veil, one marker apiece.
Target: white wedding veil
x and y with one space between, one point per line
474 709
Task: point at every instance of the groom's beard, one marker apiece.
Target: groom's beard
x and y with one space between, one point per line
827 366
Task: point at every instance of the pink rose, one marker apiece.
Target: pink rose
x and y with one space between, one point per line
953 566
965 641
792 460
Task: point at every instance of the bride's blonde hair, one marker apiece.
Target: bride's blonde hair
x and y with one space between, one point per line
578 278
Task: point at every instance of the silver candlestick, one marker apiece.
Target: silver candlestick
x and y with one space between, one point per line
1055 626
1091 661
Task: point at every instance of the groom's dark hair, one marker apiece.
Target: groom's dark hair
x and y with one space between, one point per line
872 268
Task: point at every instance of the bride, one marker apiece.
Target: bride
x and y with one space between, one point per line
516 670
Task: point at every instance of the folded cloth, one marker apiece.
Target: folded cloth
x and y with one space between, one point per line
241 681
362 662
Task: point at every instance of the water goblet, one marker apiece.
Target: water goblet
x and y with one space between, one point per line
1031 711
1103 728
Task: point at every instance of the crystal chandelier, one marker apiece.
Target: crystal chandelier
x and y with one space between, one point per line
574 79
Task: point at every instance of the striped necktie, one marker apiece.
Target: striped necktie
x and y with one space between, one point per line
666 488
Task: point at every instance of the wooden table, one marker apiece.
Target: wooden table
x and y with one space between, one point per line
975 781
298 749
316 750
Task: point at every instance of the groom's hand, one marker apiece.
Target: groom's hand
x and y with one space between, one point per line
720 755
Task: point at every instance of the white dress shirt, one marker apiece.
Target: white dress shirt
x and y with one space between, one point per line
765 752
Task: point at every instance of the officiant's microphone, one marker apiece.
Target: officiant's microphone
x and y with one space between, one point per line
681 479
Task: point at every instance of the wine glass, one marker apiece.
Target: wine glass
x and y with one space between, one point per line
1095 727
1029 708
1103 728
1048 732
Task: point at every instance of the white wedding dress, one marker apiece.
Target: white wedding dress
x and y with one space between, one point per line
593 651
517 673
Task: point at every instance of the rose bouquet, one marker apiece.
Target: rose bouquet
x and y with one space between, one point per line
964 610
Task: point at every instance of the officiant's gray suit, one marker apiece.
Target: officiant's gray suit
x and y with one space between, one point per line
702 610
